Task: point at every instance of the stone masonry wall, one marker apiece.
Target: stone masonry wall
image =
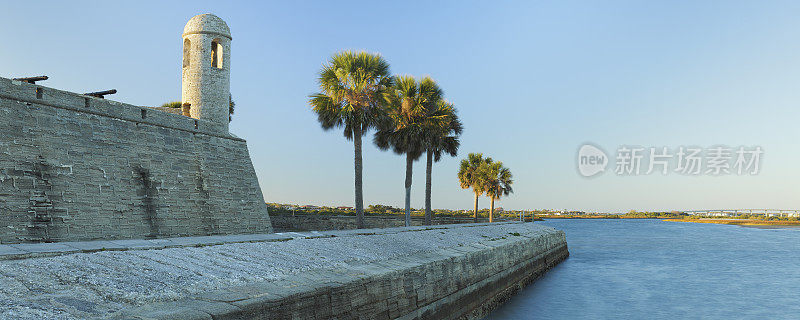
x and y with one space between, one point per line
282 222
74 167
463 282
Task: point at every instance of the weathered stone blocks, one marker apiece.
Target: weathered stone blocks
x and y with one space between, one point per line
76 168
462 282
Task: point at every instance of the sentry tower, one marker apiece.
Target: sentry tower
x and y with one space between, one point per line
206 79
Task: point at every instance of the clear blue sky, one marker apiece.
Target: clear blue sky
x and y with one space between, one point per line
532 82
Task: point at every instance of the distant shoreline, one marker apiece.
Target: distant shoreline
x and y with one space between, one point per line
598 217
761 224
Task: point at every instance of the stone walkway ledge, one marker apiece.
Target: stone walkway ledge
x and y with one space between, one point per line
38 250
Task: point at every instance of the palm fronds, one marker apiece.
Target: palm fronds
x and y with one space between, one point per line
351 88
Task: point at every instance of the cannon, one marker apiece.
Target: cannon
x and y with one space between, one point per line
101 94
32 80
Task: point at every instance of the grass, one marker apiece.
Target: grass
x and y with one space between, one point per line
741 222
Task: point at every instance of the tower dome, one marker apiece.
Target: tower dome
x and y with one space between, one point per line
207 23
206 69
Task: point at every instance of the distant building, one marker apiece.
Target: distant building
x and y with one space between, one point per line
344 208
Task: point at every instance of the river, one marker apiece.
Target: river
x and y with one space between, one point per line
651 269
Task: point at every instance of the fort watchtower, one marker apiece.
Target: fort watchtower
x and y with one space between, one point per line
206 77
76 167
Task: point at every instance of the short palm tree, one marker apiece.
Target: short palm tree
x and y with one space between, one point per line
498 181
442 132
470 175
403 130
352 86
231 107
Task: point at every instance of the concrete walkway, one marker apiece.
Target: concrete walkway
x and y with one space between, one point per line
39 250
79 280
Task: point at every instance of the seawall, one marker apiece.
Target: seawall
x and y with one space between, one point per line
314 221
442 272
460 282
74 167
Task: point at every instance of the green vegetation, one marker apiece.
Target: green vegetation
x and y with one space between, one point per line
537 215
630 215
173 104
498 182
469 176
410 116
418 120
379 208
352 86
442 137
406 103
760 217
383 210
743 220
485 176
231 106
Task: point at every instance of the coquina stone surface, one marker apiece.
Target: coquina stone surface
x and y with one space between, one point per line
441 272
206 68
74 167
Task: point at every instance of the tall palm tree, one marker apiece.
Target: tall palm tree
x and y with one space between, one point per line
352 86
470 175
498 181
403 130
442 132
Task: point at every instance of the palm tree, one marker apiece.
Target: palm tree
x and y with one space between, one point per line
470 175
441 136
352 86
231 107
498 181
403 130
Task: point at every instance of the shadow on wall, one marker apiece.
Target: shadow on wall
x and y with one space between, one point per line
149 194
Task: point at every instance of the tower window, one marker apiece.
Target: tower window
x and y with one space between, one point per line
216 55
186 47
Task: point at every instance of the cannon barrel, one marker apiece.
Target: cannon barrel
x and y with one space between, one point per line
32 79
101 94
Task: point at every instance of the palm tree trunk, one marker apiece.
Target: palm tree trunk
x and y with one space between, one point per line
359 183
491 210
428 211
476 207
409 166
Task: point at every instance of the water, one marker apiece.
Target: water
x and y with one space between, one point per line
651 269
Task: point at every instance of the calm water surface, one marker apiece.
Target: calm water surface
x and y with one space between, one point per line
651 269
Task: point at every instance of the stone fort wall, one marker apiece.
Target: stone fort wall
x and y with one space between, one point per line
285 222
74 167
